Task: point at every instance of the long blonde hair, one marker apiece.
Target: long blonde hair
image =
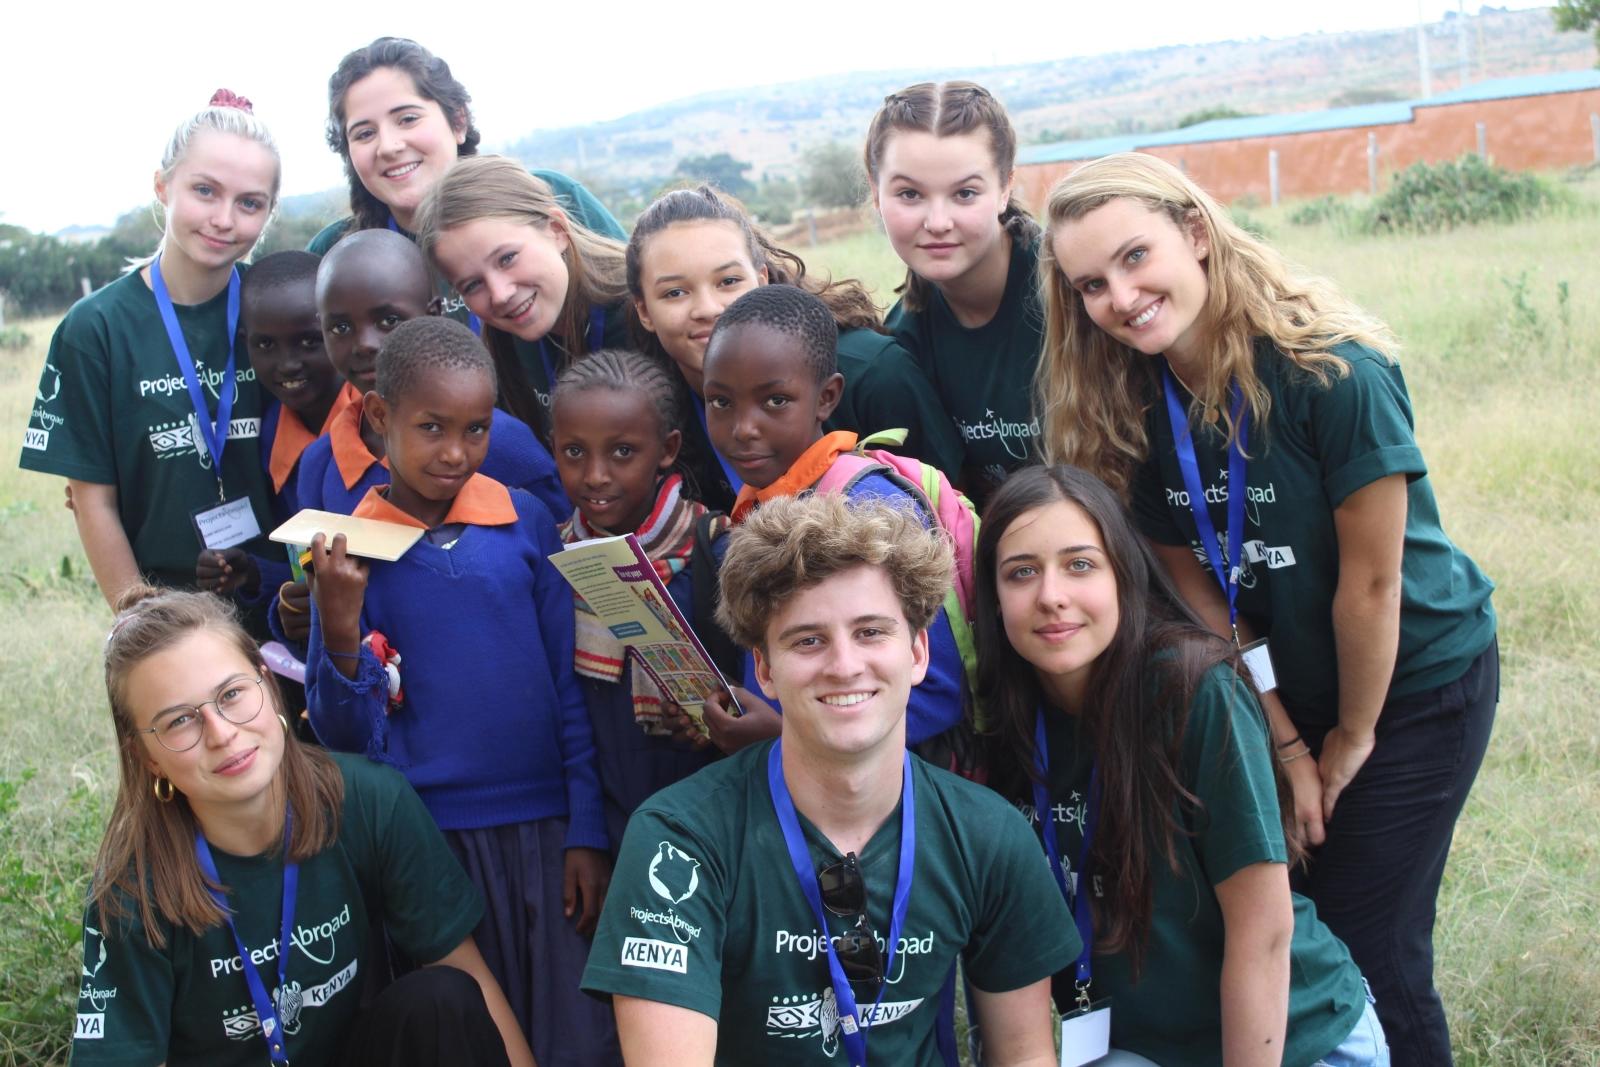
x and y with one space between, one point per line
495 187
147 856
1094 392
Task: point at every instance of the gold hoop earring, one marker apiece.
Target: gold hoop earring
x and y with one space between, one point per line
165 798
285 722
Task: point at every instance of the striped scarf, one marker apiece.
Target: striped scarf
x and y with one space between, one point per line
667 538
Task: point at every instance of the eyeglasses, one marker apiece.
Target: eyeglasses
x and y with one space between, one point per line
844 893
179 729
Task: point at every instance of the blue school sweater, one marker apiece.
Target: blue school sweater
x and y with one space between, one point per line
632 763
493 729
937 703
516 458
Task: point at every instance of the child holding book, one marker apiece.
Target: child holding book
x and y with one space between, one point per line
488 722
615 417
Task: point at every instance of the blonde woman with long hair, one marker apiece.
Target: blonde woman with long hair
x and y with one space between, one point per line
1259 426
547 289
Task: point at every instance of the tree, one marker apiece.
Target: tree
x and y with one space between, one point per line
832 175
721 170
1579 15
1221 111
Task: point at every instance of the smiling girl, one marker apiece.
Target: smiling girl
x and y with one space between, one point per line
146 405
940 158
1185 359
695 251
1144 751
400 119
548 289
242 871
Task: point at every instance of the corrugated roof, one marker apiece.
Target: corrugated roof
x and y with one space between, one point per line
1293 122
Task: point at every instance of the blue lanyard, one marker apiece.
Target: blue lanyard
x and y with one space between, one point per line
1184 443
214 435
727 468
473 322
1081 915
595 338
852 1025
266 1007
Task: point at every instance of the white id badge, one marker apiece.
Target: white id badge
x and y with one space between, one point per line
226 525
1258 662
1086 1034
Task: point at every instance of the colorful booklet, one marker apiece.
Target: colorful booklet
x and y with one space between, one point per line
618 581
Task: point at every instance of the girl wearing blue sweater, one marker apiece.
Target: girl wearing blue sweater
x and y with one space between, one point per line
616 442
453 664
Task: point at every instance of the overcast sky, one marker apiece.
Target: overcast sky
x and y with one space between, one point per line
91 92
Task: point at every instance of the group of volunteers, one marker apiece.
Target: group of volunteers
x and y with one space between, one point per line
1112 541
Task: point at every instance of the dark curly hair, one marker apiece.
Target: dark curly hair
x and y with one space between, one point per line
432 342
791 311
430 74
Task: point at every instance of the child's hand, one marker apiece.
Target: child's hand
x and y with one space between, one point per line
294 610
340 589
758 723
586 875
226 571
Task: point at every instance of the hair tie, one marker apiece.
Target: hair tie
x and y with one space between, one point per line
117 624
228 98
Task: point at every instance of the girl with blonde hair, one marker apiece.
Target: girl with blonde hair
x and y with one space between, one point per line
1260 428
547 289
229 917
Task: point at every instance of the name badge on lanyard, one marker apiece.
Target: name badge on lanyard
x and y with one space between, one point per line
1227 562
229 522
853 1023
1086 1029
282 1007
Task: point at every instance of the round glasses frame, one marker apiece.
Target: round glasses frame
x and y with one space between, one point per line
244 711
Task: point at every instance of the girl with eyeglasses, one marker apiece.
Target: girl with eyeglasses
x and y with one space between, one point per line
234 895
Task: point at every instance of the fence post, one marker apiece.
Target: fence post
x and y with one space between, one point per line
1372 163
811 226
1272 174
84 283
1483 141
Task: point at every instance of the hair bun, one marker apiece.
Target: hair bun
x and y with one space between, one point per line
134 595
228 98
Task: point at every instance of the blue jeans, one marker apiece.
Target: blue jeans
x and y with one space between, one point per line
1362 1047
1376 880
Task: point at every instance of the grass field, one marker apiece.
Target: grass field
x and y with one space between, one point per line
1502 332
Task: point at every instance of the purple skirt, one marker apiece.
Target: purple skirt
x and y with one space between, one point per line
531 947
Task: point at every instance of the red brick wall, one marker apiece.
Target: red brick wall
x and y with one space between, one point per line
1523 133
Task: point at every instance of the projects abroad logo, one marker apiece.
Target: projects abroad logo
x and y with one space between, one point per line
1013 436
210 380
673 874
811 945
95 955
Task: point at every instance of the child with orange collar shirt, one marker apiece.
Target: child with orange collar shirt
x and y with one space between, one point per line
487 721
771 381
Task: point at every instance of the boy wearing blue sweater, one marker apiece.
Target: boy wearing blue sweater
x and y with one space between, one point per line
474 696
771 381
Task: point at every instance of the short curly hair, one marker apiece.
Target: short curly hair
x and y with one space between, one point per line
791 311
792 543
430 343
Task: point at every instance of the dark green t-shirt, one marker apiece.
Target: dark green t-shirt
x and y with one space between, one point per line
984 375
704 912
885 389
112 408
614 335
188 1002
1321 444
1173 1014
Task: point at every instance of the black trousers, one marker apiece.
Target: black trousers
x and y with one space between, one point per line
1376 880
434 1015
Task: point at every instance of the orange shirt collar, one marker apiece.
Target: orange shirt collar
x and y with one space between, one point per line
806 472
481 502
291 440
350 453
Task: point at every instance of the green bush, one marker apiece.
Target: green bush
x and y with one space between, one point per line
1326 209
1426 198
13 337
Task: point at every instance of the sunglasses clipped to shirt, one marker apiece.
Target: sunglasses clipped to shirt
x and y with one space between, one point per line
844 893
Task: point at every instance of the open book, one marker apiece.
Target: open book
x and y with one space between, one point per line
619 583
